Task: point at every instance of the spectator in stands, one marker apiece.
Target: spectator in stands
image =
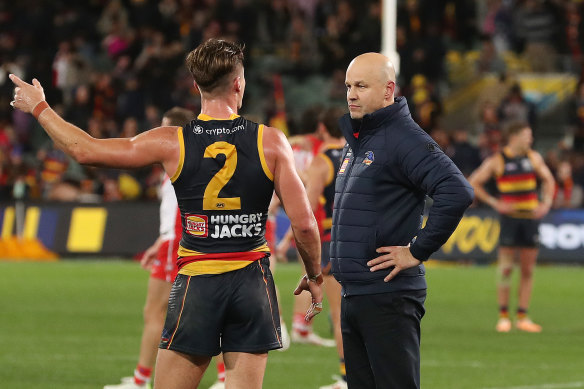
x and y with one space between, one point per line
536 29
80 110
489 59
574 30
498 23
515 107
567 194
120 68
577 118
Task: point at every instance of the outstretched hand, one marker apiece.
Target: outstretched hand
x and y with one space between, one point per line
26 96
315 290
399 257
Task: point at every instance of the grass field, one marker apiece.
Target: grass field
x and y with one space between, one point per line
76 324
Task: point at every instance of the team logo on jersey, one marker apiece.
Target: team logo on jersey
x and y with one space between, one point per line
344 166
198 129
526 165
197 225
369 157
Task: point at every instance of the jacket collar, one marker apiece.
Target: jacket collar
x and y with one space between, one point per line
373 120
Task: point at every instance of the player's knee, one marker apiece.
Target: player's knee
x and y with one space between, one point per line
526 273
504 275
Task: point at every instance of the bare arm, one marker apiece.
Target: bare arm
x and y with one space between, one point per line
159 145
548 185
479 177
292 194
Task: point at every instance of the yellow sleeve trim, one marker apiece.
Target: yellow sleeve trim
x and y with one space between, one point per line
267 171
181 158
331 169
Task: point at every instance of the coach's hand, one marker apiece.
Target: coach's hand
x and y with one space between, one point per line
312 286
26 96
398 257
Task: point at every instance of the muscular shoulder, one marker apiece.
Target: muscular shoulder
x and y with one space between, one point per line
163 142
535 157
274 142
164 133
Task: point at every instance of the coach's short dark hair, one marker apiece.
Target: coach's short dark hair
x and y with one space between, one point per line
178 116
212 62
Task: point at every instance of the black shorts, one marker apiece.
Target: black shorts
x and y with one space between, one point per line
235 311
325 256
518 232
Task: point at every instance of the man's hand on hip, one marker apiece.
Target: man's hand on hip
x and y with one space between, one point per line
398 257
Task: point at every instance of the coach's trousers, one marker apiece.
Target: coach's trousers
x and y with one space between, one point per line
381 339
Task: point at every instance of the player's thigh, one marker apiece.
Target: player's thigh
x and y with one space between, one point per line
179 371
510 231
244 370
196 312
529 233
252 320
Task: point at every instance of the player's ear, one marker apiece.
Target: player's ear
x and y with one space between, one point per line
237 84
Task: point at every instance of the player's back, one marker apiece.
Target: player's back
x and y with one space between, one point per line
223 187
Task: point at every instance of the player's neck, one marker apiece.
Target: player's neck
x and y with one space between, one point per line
515 151
219 107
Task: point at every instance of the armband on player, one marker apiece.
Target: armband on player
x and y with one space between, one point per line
39 108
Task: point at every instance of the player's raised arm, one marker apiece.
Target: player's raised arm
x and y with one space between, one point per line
159 145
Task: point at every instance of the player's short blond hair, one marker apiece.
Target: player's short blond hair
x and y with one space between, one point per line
212 62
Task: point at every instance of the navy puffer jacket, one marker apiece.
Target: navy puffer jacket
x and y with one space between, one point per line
385 174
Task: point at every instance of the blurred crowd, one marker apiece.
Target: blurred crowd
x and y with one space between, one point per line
113 67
